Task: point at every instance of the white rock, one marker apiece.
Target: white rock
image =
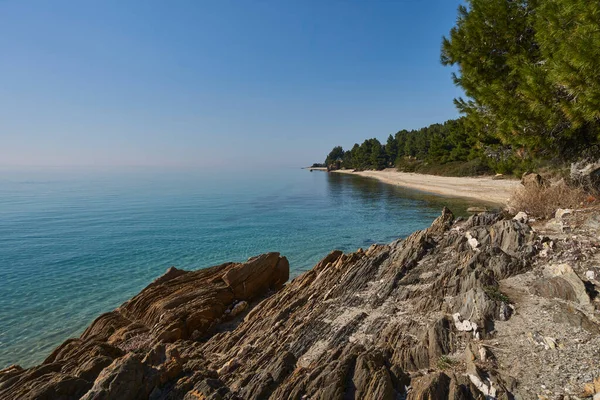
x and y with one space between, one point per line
471 240
591 275
473 243
557 269
482 353
561 212
550 343
521 217
238 308
465 325
488 390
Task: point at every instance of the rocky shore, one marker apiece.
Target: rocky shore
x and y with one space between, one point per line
486 308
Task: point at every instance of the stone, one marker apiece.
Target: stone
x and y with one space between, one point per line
521 217
563 283
591 275
484 386
431 387
238 308
561 212
592 388
586 173
471 240
465 325
124 379
567 314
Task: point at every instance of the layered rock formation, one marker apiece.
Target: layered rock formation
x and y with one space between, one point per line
438 315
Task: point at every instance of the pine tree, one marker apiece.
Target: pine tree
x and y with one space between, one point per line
391 150
531 71
335 156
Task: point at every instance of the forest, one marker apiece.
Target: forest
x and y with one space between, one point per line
530 70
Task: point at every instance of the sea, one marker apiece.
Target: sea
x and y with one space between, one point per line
75 243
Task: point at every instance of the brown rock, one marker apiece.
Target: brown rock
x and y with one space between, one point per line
431 387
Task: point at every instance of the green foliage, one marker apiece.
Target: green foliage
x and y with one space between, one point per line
377 157
445 362
495 294
391 150
531 70
473 167
335 155
441 149
568 33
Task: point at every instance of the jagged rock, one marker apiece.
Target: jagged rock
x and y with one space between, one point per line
562 283
169 309
475 309
431 387
586 173
566 314
485 386
359 325
126 378
483 219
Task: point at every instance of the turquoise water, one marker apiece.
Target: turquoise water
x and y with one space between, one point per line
74 244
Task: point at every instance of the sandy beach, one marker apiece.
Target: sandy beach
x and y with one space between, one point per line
481 188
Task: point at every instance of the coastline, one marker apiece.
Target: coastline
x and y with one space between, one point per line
373 319
480 188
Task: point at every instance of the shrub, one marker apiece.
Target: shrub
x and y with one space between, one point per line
445 362
543 201
494 293
453 168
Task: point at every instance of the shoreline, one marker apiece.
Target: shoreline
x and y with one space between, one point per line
482 188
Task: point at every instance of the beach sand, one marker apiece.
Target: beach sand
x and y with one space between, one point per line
481 188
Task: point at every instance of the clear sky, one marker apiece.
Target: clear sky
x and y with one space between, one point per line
216 83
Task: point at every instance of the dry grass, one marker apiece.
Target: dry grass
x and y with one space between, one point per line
543 201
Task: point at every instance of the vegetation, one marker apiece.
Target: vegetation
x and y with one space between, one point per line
531 73
445 362
422 150
542 201
495 294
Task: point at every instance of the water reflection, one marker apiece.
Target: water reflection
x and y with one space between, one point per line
376 194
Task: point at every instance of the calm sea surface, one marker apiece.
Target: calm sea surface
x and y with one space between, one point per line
74 244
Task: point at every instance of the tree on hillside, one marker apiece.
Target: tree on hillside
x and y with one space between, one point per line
377 158
391 150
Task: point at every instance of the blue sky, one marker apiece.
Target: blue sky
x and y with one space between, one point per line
216 83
